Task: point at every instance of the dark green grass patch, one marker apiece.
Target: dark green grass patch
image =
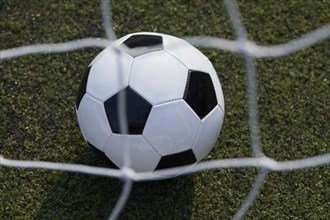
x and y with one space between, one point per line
38 122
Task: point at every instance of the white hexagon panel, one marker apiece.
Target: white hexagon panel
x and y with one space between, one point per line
93 122
158 77
99 56
171 127
208 133
109 74
191 57
142 157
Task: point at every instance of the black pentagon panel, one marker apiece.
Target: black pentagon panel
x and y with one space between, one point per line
142 43
144 40
101 155
199 93
82 87
178 159
137 108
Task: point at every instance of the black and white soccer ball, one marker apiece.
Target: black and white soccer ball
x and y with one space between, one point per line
174 102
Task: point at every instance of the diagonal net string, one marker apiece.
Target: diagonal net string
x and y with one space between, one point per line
252 83
125 193
252 195
107 20
249 50
122 115
252 91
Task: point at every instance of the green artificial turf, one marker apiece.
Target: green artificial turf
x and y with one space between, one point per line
38 122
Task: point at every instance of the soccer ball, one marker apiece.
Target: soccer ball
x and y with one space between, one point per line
173 102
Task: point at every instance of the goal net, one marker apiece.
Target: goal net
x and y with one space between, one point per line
248 50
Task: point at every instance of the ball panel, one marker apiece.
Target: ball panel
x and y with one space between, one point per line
143 40
101 54
199 93
139 44
217 87
124 38
158 77
171 127
93 122
209 133
177 159
186 53
82 87
142 156
137 109
109 74
102 156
